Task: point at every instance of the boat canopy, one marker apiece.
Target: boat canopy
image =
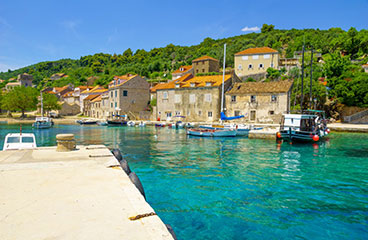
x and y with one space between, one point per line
224 118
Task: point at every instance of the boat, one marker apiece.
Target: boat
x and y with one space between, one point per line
20 140
241 129
117 122
102 123
87 122
160 124
309 126
42 122
189 125
201 132
130 123
141 124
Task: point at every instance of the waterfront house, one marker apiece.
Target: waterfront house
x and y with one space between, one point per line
60 91
100 106
205 64
97 90
197 98
255 61
23 79
183 70
128 94
259 101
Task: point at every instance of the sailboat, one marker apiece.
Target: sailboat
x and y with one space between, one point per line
309 125
240 129
42 122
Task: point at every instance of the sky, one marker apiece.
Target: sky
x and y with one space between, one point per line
36 31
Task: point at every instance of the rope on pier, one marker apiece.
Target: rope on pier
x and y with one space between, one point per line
142 216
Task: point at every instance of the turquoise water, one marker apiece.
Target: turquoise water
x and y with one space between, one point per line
239 188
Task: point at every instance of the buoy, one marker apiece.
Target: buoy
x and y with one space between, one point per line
328 130
135 180
125 166
278 135
315 138
171 231
117 154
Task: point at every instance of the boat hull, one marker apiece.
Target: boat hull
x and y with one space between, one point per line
211 133
116 122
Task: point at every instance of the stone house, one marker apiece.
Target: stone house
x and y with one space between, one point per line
183 70
60 91
87 103
23 79
128 94
259 101
197 98
205 64
68 109
253 61
100 106
97 90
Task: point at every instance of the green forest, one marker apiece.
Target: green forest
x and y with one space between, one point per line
343 54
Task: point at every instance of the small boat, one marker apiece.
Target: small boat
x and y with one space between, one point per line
102 123
131 123
19 141
189 125
241 129
160 124
87 122
309 126
200 132
42 122
117 122
141 124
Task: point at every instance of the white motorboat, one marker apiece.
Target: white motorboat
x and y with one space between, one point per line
130 123
43 122
19 141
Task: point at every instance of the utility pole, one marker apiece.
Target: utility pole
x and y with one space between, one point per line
301 100
223 80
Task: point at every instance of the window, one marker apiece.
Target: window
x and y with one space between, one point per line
192 98
255 56
112 94
266 56
208 84
240 67
112 105
168 114
164 95
233 98
271 64
197 71
208 97
273 98
116 93
253 115
236 113
177 98
192 84
199 113
116 104
261 65
125 93
177 113
209 114
245 57
188 113
250 66
177 85
202 70
271 112
27 139
253 98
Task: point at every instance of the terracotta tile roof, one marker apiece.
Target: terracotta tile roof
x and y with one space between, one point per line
365 65
83 87
120 80
259 50
97 99
13 84
182 69
51 92
198 81
90 97
205 58
94 89
261 87
172 84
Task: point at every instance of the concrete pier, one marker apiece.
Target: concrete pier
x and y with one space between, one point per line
81 194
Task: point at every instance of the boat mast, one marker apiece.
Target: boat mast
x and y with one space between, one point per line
41 105
223 80
311 79
301 101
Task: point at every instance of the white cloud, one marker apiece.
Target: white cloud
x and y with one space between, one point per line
250 29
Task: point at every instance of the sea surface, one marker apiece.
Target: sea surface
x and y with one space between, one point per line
240 188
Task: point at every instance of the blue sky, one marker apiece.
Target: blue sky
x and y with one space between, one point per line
35 31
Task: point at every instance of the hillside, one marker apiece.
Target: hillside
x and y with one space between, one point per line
159 62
